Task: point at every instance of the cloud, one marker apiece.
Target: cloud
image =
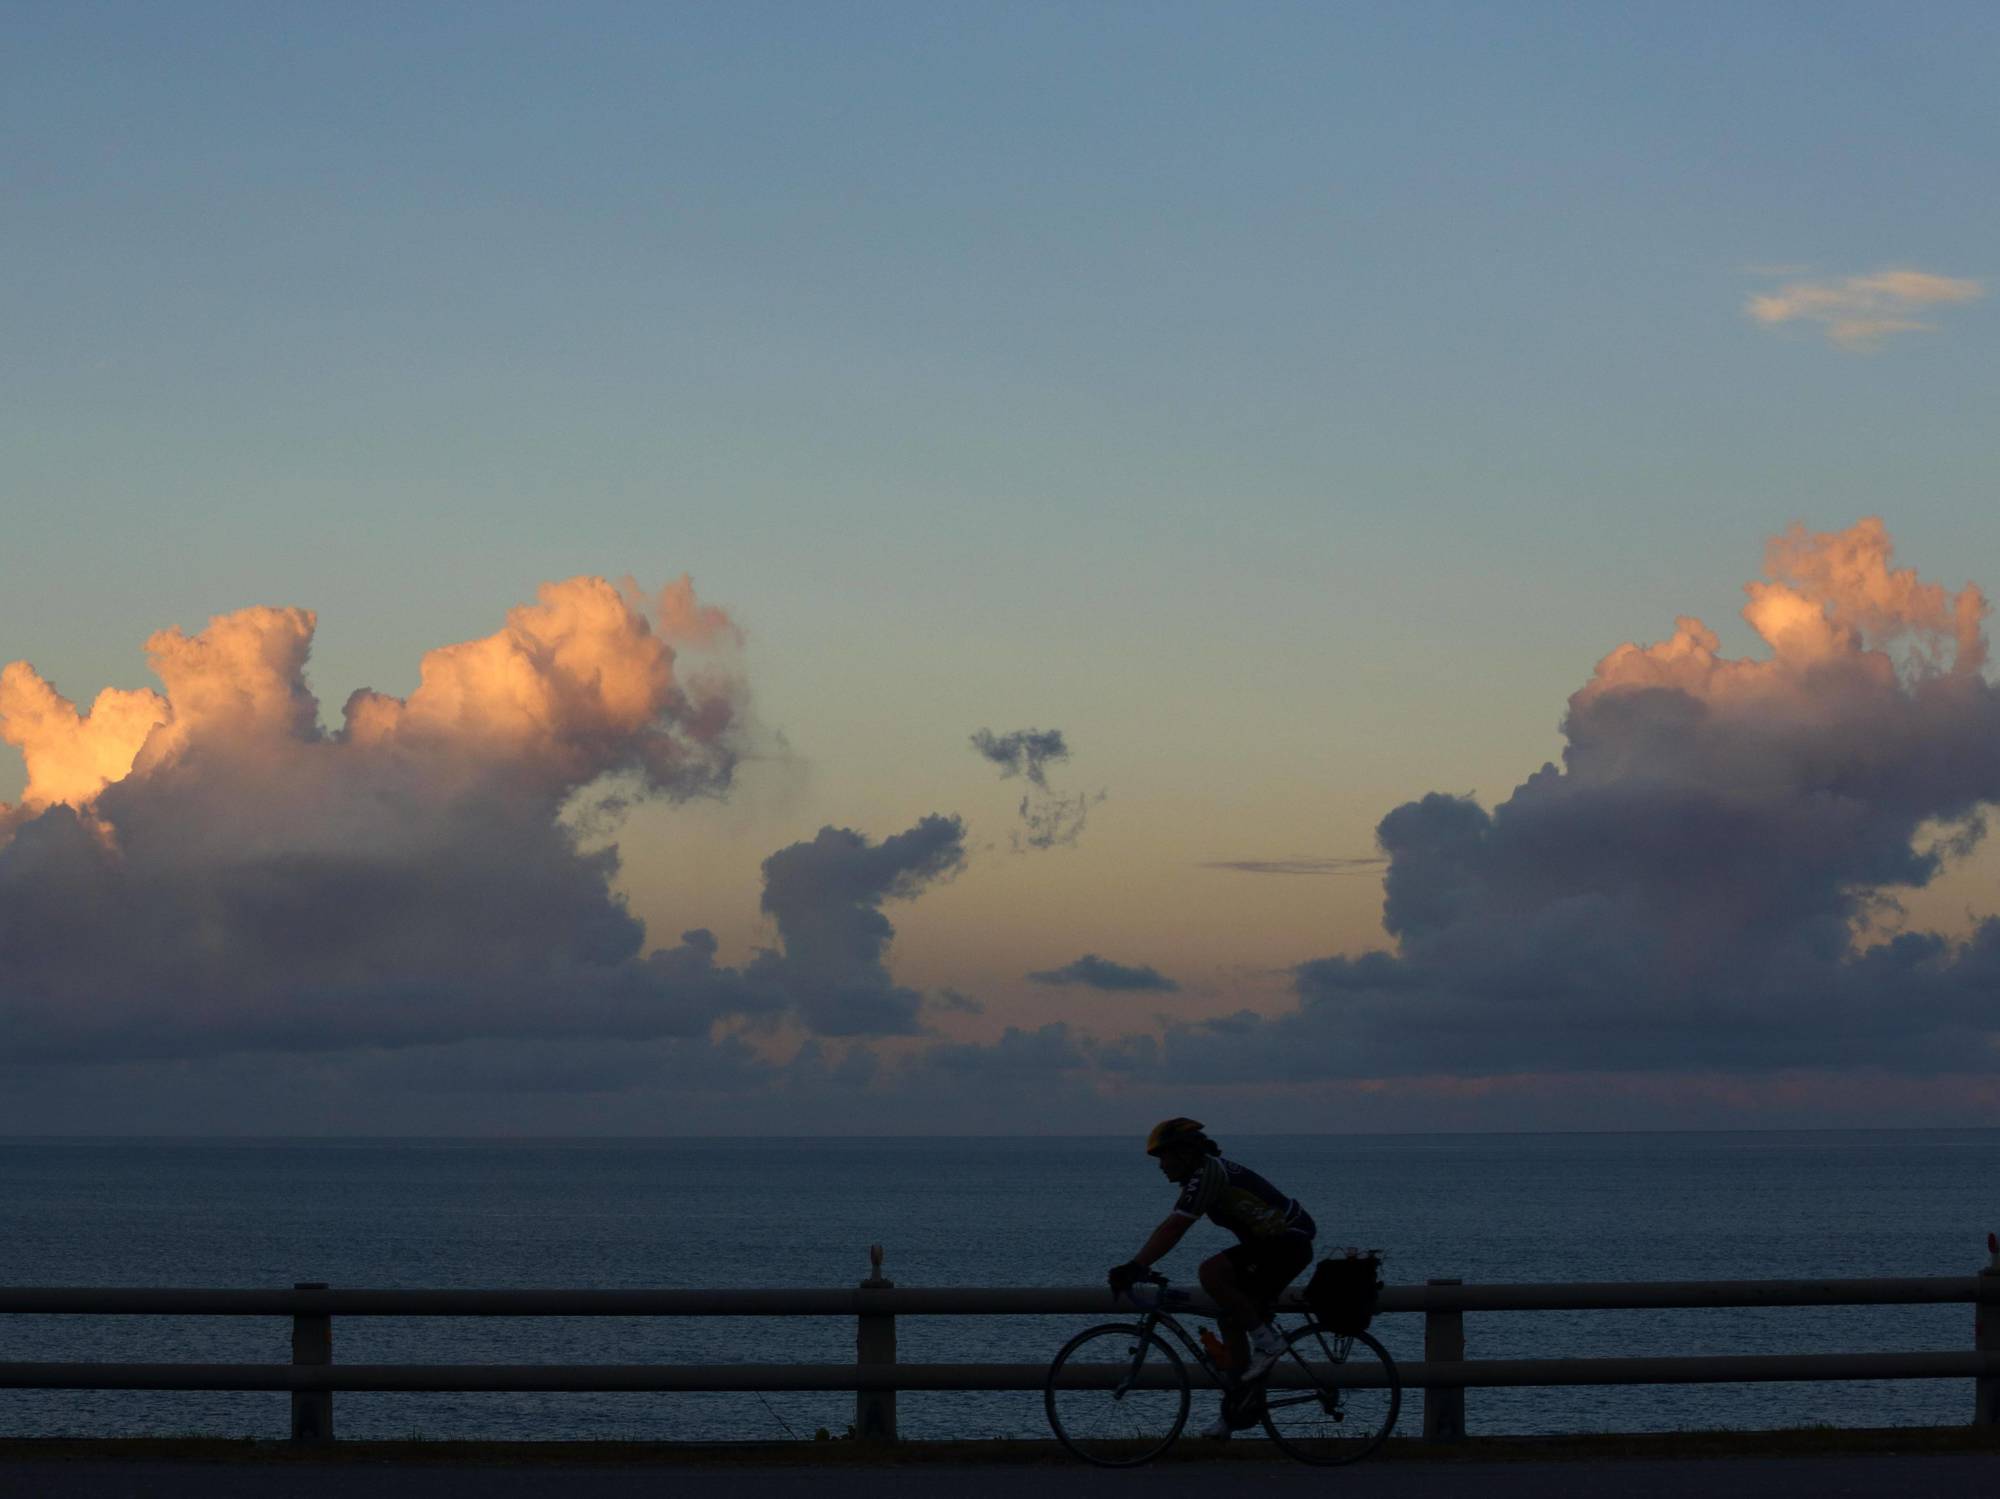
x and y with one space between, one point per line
577 686
1368 864
204 869
1693 888
1859 312
1692 898
826 896
1052 821
1094 972
1049 818
1061 1071
948 1001
1019 1054
1023 752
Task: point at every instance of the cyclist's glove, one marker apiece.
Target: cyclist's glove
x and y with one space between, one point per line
1124 1277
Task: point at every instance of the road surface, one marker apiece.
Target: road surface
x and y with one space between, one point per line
1930 1475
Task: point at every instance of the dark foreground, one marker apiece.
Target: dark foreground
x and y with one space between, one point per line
1935 1476
1938 1464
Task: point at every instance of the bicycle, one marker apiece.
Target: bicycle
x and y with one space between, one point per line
1113 1387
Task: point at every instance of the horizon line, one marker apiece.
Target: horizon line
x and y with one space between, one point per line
579 1139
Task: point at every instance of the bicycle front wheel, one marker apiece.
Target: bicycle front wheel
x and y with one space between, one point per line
1117 1395
1348 1404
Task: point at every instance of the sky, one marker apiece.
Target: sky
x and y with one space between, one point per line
891 568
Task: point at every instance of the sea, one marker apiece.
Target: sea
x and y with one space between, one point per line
699 1213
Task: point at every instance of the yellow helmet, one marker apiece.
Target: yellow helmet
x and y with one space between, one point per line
1168 1131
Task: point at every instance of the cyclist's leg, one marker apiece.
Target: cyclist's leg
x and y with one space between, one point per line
1284 1262
1225 1276
1222 1278
1249 1279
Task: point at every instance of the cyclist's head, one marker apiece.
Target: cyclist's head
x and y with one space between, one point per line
1179 1143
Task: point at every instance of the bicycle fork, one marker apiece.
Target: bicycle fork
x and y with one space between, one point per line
1139 1346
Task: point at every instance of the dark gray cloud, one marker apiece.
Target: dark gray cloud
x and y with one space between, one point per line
1694 886
177 933
291 952
953 1002
1365 864
1028 1079
1023 752
826 896
1018 1053
1093 972
1703 887
563 1065
1049 818
418 878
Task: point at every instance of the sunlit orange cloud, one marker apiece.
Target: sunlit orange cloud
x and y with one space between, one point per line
1826 597
71 756
207 867
577 684
576 671
244 878
1859 312
1685 888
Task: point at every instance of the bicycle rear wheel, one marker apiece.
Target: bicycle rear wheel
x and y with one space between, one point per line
1332 1421
1117 1395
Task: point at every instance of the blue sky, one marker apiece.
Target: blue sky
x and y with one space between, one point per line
1291 403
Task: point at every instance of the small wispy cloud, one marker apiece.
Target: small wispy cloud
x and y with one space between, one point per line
1093 972
1023 752
954 1002
1859 312
1049 818
1367 864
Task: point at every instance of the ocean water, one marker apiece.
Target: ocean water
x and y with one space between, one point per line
801 1213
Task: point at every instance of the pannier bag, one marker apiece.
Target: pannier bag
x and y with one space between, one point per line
1344 1293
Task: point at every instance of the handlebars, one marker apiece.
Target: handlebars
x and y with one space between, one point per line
1149 1290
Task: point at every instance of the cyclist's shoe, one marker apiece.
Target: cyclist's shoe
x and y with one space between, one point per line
1240 1408
1266 1348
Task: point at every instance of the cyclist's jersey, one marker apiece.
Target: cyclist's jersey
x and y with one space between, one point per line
1241 1201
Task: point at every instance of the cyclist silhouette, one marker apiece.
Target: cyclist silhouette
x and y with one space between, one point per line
1274 1243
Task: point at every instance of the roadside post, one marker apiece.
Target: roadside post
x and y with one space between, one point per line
874 1344
1986 1338
312 1345
1444 1342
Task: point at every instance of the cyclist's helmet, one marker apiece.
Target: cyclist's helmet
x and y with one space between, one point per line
1179 1130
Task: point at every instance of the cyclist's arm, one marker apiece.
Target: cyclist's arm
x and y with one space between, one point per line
1164 1238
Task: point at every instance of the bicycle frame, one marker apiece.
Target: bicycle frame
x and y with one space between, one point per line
1157 1316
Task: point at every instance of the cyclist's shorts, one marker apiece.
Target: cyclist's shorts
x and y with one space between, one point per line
1269 1265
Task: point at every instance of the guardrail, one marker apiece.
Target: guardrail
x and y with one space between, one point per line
1444 1374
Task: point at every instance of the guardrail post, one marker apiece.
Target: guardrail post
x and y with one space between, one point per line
1444 1342
875 1343
312 1343
1986 1338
